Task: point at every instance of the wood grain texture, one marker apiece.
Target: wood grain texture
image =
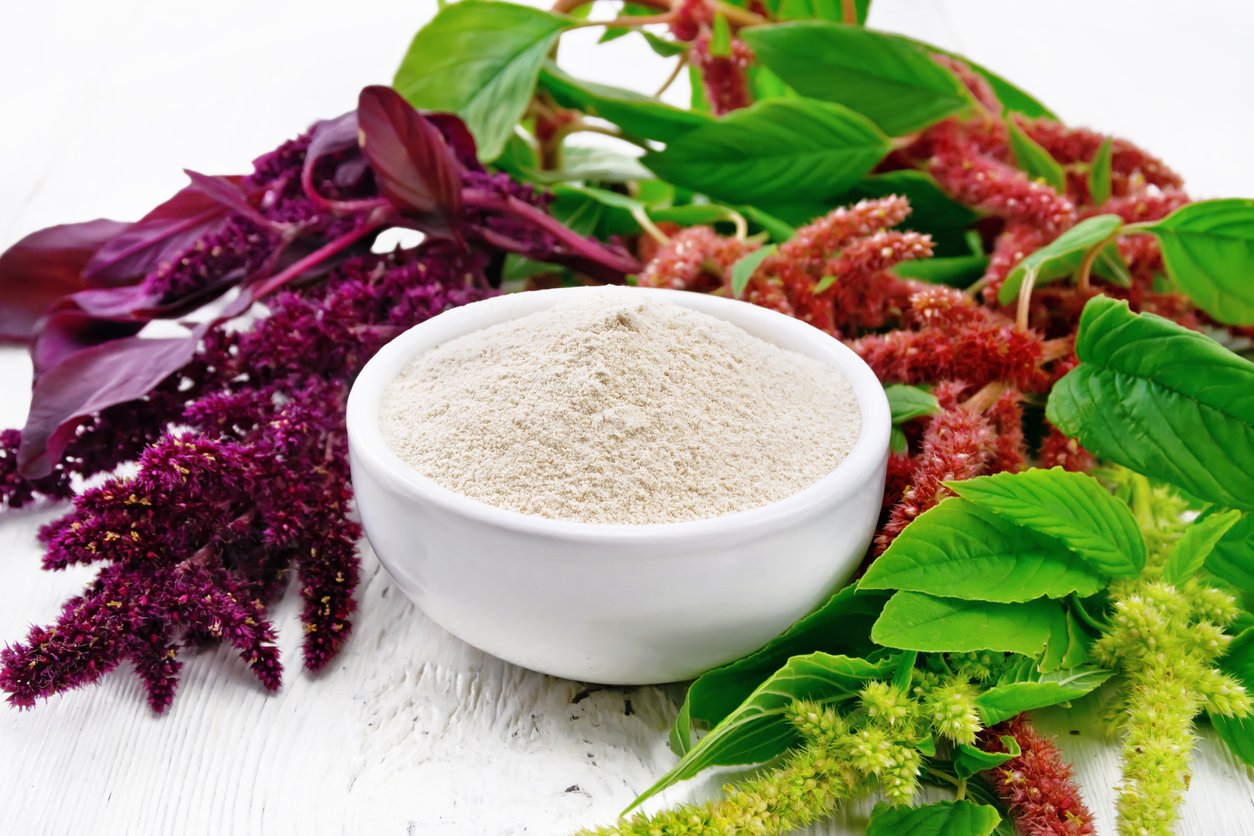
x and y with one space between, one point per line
412 731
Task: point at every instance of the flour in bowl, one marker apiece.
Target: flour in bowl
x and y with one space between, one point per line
616 407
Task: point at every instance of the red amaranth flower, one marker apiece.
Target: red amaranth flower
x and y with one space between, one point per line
723 76
991 186
975 83
813 244
1014 244
1036 785
959 443
696 258
1131 167
982 353
690 17
1059 451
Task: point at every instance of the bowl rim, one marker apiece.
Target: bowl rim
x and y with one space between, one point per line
369 448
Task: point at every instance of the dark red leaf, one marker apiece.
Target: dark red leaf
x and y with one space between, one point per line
412 162
158 237
228 192
89 381
458 137
330 136
68 329
43 267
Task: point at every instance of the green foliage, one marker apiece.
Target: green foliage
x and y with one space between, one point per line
970 760
1162 400
1023 688
1238 733
1099 173
931 210
888 79
840 626
956 550
1188 554
491 93
1208 248
1062 257
943 818
915 621
1073 508
640 116
780 149
758 729
958 271
905 403
742 271
1034 160
1232 559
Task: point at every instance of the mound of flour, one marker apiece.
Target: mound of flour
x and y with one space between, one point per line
615 407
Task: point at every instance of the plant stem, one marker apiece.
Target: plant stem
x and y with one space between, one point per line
318 256
849 12
739 17
1086 266
1025 298
628 22
670 79
646 223
1077 608
574 242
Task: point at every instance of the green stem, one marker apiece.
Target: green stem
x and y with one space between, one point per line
1086 266
1078 609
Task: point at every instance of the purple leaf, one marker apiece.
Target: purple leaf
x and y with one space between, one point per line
69 329
43 267
158 237
228 192
88 381
412 163
458 137
330 136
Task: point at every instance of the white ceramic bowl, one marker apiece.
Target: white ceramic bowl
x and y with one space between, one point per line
615 604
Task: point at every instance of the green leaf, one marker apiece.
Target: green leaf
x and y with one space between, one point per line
779 230
1071 507
958 271
638 115
905 403
898 444
480 60
884 77
1025 689
779 149
758 729
954 550
1232 559
1162 400
764 84
590 164
660 46
743 270
970 760
1068 646
1208 248
1188 554
943 818
1239 662
914 621
931 210
1099 173
840 626
720 37
1012 97
1063 256
816 10
1034 160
